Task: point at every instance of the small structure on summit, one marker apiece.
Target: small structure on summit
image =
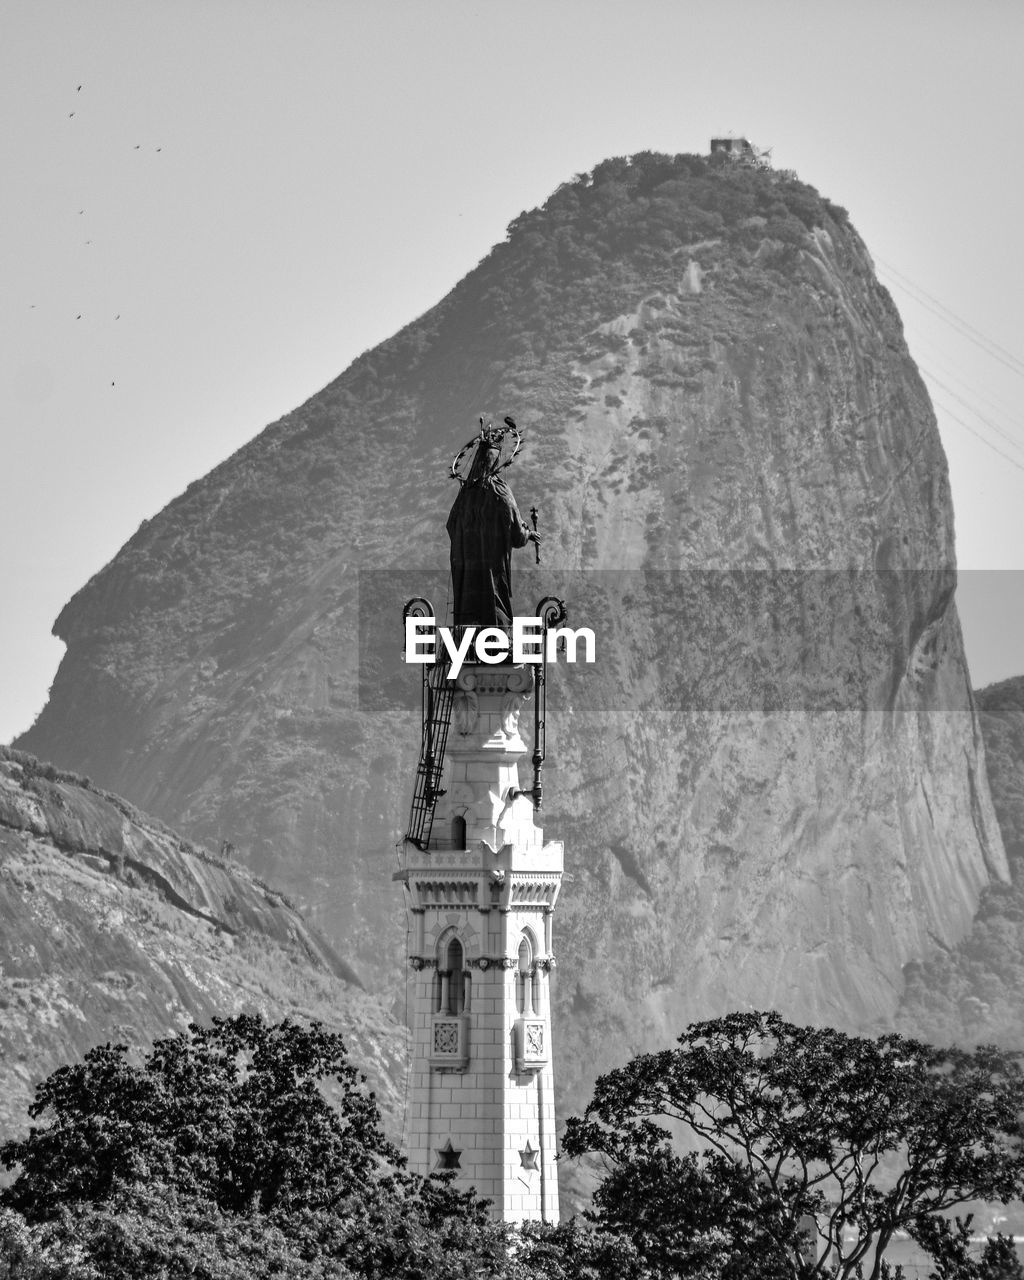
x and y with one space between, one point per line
481 882
742 151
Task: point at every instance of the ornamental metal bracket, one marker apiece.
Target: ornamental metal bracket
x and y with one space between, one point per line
551 612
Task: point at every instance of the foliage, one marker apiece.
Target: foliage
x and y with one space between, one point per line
154 1232
232 1113
871 1136
572 1251
233 1152
220 1158
948 1243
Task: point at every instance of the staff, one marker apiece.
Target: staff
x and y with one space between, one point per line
533 518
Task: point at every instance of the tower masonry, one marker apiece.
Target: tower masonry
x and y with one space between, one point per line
481 898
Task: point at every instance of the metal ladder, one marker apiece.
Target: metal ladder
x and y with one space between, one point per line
437 695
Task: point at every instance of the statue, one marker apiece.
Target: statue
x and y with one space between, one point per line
484 525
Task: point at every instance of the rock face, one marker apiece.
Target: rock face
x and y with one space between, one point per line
771 784
970 994
114 928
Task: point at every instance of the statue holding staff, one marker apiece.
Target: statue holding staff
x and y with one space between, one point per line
484 526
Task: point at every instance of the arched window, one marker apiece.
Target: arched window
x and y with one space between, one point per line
455 964
458 832
524 977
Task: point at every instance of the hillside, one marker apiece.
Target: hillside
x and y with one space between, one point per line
741 488
114 928
971 993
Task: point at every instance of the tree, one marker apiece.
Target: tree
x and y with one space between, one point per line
233 1113
813 1143
233 1152
949 1244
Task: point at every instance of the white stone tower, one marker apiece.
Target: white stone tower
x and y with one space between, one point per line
481 887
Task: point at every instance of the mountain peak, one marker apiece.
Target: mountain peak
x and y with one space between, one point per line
712 383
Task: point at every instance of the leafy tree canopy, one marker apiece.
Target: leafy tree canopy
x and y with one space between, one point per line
818 1146
234 1113
221 1158
235 1150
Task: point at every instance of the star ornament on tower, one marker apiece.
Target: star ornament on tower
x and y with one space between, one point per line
448 1157
528 1156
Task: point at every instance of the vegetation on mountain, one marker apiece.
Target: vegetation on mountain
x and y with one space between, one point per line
818 1146
565 268
972 992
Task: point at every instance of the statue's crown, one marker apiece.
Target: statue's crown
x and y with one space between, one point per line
507 439
491 434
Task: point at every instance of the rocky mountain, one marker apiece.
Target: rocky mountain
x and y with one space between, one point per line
1001 712
770 785
970 992
114 928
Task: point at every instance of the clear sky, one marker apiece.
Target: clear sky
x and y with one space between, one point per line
212 206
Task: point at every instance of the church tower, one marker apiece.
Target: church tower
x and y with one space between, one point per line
481 886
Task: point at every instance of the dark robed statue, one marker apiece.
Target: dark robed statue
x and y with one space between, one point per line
484 525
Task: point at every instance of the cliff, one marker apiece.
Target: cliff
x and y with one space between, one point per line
970 993
771 785
114 928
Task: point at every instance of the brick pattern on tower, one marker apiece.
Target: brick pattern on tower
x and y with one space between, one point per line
481 898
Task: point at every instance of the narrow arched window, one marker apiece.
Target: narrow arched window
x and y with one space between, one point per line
524 984
455 965
458 832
